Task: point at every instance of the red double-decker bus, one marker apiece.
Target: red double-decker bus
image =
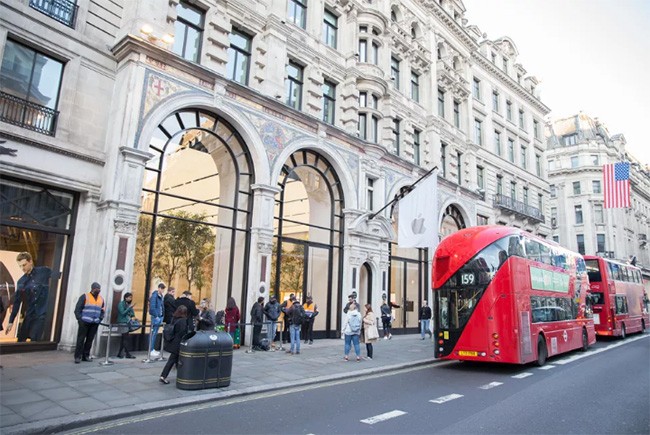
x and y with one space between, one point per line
504 295
617 296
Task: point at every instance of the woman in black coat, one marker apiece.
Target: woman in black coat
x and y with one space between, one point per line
179 320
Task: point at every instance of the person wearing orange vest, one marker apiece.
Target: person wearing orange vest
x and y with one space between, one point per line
89 312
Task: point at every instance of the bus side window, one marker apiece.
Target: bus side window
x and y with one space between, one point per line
514 247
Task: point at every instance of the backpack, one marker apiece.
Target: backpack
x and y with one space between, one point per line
355 324
297 314
264 344
168 332
219 317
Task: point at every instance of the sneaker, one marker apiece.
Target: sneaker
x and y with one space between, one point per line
311 341
422 338
77 360
154 354
289 351
369 358
358 359
345 358
298 353
390 336
385 337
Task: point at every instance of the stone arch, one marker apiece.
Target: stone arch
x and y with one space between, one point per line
452 213
238 120
336 160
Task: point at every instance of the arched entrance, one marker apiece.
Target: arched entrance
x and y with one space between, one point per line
452 221
195 214
365 285
308 236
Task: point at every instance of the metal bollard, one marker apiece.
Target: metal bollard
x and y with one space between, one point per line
106 361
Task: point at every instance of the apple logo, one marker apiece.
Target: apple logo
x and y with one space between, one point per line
417 225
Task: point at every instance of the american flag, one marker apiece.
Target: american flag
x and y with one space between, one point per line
617 185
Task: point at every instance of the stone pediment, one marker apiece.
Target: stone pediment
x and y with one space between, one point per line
377 228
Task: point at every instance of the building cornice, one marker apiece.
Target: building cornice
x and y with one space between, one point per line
51 148
510 83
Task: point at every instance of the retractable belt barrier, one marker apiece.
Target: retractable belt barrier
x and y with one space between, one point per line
109 328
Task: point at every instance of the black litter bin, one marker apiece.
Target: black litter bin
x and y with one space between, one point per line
205 361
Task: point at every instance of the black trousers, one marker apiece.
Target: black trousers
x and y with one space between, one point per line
85 337
171 362
308 329
369 350
123 340
257 332
32 328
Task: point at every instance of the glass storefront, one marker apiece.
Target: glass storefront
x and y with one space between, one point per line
194 224
308 237
39 221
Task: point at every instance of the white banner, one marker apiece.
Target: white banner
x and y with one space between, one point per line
418 215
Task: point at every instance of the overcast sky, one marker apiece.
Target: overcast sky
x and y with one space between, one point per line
590 55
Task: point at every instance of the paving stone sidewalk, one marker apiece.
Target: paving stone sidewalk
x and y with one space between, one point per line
47 392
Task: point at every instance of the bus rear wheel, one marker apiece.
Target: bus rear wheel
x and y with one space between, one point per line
623 333
585 340
542 353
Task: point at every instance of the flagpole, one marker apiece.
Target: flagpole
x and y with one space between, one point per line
404 193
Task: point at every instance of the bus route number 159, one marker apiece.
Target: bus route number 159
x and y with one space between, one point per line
466 278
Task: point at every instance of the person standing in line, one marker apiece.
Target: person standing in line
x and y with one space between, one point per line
425 320
232 319
257 319
173 346
272 312
386 315
89 312
206 321
296 316
124 314
170 305
311 311
351 332
32 291
156 310
370 332
192 312
285 307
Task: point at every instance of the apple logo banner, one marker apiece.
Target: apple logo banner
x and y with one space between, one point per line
417 225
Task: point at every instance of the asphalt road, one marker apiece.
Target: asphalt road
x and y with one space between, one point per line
603 391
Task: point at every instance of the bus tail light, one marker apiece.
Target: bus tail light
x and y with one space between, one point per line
495 336
441 342
495 343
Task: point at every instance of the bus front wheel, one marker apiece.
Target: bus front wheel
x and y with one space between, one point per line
542 353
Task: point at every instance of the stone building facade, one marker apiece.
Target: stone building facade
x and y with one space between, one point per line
578 147
239 148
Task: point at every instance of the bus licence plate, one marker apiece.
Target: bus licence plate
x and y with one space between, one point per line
467 353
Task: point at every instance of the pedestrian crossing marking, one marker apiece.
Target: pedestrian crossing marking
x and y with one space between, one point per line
383 417
447 398
522 375
547 367
490 385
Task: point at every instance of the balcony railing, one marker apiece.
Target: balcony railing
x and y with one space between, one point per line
518 207
28 115
63 11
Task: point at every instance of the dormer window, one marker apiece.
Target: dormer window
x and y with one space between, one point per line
505 65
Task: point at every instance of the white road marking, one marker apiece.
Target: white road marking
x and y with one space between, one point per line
547 367
447 398
383 417
490 385
576 357
522 375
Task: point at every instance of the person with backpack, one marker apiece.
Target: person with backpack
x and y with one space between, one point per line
387 316
272 313
173 334
296 316
351 331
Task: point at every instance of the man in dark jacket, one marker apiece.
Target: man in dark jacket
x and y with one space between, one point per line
186 300
32 292
89 312
257 318
170 305
425 320
272 312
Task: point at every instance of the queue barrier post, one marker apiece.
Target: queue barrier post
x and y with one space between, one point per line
107 362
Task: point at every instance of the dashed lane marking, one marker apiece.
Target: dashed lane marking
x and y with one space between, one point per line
490 385
383 417
447 398
546 367
522 375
